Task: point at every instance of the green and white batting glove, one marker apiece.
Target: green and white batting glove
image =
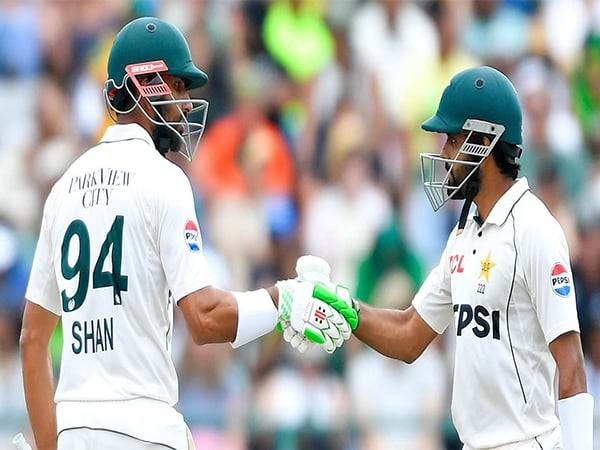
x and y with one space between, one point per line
313 269
321 313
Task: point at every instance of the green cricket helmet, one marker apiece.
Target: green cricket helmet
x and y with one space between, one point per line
143 52
480 101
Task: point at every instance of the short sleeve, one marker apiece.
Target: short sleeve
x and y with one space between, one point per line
548 276
42 288
180 241
433 302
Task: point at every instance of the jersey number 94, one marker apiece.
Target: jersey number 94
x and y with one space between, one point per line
113 244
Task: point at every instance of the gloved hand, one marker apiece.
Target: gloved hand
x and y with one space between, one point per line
312 269
312 309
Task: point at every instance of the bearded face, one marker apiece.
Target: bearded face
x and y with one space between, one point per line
165 139
457 175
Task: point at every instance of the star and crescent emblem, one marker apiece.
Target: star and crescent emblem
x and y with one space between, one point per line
486 266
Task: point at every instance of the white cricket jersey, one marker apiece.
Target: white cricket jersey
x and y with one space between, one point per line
119 242
508 286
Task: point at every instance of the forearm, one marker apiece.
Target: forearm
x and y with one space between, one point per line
390 332
575 406
211 316
571 382
39 394
274 293
566 350
214 315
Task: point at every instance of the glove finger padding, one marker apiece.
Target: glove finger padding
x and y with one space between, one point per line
304 345
325 340
288 331
296 340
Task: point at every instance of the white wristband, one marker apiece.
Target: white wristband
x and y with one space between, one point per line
257 316
576 416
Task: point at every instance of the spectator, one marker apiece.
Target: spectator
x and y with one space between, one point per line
592 362
587 272
297 37
390 253
566 24
342 219
13 414
427 86
214 396
13 273
314 412
337 81
313 134
56 145
586 88
403 408
394 41
553 136
245 172
495 33
20 49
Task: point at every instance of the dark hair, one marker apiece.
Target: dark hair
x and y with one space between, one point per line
123 101
503 153
506 163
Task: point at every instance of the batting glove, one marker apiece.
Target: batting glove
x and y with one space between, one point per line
312 269
314 318
317 270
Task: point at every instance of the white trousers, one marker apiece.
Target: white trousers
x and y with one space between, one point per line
89 439
547 441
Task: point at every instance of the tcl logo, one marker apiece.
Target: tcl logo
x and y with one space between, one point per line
456 263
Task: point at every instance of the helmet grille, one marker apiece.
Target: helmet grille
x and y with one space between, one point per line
475 149
152 90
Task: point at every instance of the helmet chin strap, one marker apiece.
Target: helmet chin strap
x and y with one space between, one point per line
471 190
162 136
162 140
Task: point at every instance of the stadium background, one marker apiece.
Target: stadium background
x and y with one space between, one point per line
311 147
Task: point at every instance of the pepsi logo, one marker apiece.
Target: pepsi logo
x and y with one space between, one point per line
192 236
560 279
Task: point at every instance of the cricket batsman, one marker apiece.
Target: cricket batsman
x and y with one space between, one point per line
504 280
119 246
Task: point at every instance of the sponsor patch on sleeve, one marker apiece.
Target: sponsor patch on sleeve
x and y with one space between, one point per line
560 279
192 236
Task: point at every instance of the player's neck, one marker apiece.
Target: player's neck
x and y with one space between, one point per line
493 186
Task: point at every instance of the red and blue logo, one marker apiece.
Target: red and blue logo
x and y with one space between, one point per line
192 236
561 282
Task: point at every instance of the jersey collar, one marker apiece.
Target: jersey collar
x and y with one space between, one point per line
118 132
504 205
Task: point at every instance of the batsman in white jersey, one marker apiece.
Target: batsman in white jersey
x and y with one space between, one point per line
504 282
119 247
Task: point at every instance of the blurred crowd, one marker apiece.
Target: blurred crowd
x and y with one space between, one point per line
311 147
